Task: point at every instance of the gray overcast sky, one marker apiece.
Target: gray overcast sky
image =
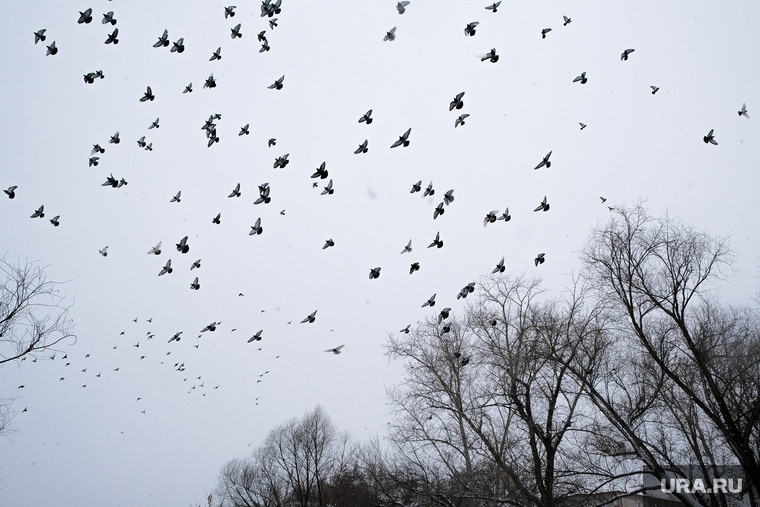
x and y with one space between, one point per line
93 445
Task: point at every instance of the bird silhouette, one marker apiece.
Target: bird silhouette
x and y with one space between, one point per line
430 302
544 162
414 267
499 267
55 221
654 89
390 35
115 138
103 251
256 337
217 55
429 190
743 111
583 125
457 103
437 241
407 248
328 190
195 285
328 244
163 40
311 318
39 213
544 32
401 6
236 32
167 268
277 85
443 315
491 55
494 6
229 11
460 120
490 217
336 350
374 273
39 36
567 20
51 49
256 229
544 206
264 190
196 264
176 198
188 88
439 210
624 55
154 125
281 161
709 138
211 327
470 28
210 82
271 142
320 172
406 329
244 130
156 250
403 139
505 216
179 46
235 192
539 259
85 17
416 187
366 118
148 95
362 148
11 192
582 78
113 38
182 246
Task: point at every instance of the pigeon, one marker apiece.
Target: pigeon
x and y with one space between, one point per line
176 337
196 264
624 55
320 172
544 162
148 95
217 55
54 220
444 314
11 192
492 56
604 199
374 273
40 213
429 302
262 36
437 242
709 138
405 330
336 350
272 141
195 285
211 327
457 103
544 32
460 121
156 250
179 46
544 206
236 32
470 28
429 190
401 6
113 38
499 267
149 147
176 198
539 259
439 210
465 361
167 268
217 219
115 138
493 7
210 82
311 318
415 267
277 85
182 246
655 88
328 244
110 182
154 125
85 17
104 251
272 23
244 130
582 78
256 228
407 248
141 142
328 189
490 217
403 139
505 216
229 11
567 20
51 49
236 192
362 148
583 125
39 36
256 337
264 190
743 111
188 88
416 187
367 118
108 18
163 40
96 148
390 35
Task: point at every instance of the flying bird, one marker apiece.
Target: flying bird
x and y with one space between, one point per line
163 40
320 172
539 259
457 103
366 118
113 38
407 248
583 125
437 241
256 228
416 187
406 329
328 189
256 337
470 28
499 267
188 88
401 6
156 250
85 17
271 142
439 210
429 190
217 55
403 139
244 130
444 314
196 264
39 36
236 191
415 267
582 78
210 82
11 191
743 111
709 138
505 216
179 46
54 220
624 55
311 318
211 327
460 121
104 251
490 218
277 85
655 88
604 199
51 49
336 350
115 138
262 36
141 142
182 246
544 32
544 206
567 20
167 268
362 148
217 219
148 95
544 162
494 6
236 32
491 55
374 273
429 302
154 125
39 213
176 198
108 18
229 11
264 190
195 285
328 244
390 35
272 23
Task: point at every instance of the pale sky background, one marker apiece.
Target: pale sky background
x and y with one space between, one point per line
93 445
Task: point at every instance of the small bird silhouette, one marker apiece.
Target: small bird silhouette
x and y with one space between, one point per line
320 172
362 148
277 85
582 78
743 111
328 190
544 32
236 32
256 337
195 285
403 139
430 302
103 251
457 103
624 55
148 95
401 6
390 35
544 162
176 198
374 273
407 248
156 250
85 17
115 138
39 36
11 192
505 216
210 82
112 39
429 190
167 268
163 40
55 221
499 267
439 210
470 28
437 241
217 55
188 88
311 318
336 350
654 89
567 20
51 49
272 141
229 11
491 55
39 213
415 267
328 244
544 206
366 118
256 228
583 125
235 192
154 125
182 246
494 6
709 138
490 218
416 187
539 259
196 264
406 329
244 130
460 120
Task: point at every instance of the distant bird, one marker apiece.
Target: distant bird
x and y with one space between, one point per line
328 190
149 147
39 36
624 55
415 267
176 198
374 273
262 36
236 32
439 210
544 162
217 55
210 82
182 246
390 35
110 182
277 85
115 138
457 103
156 250
470 28
582 78
505 216
429 302
195 285
85 17
51 49
336 350
654 89
366 118
188 88
401 6
604 199
113 38
154 125
544 206
405 330
108 18
229 11
179 46
148 95
490 218
465 361
443 315
11 191
583 125
141 142
407 248
264 190
217 219
491 55
539 259
320 172
256 337
437 241
544 32
271 142
709 138
256 229
311 318
104 251
40 213
429 190
416 187
96 148
235 192
567 20
54 220
743 111
272 23
167 268
460 121
163 40
211 327
362 148
196 264
493 7
403 139
328 244
499 267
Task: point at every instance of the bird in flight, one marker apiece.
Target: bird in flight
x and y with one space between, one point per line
624 55
407 248
51 49
210 82
148 95
167 268
583 125
182 246
403 139
11 191
328 244
229 11
54 220
236 191
494 7
336 350
437 241
499 267
490 218
196 264
39 36
311 318
654 89
414 267
709 138
539 259
244 130
156 250
176 198
85 17
544 206
416 187
439 210
406 329
115 138
362 148
256 228
582 78
429 190
491 55
320 172
390 35
505 216
195 285
163 40
544 162
179 46
367 118
401 6
457 103
429 302
328 190
544 32
154 125
743 111
277 85
217 55
374 273
211 327
104 251
112 39
567 20
236 32
217 219
188 88
39 213
256 337
460 121
470 28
